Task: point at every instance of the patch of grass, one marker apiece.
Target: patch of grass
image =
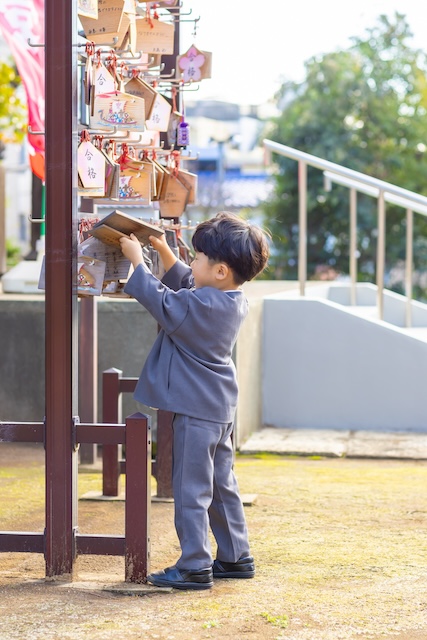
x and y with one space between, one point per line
210 624
276 621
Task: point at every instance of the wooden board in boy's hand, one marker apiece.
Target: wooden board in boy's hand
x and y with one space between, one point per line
118 224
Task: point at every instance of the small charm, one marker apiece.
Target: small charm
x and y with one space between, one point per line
183 134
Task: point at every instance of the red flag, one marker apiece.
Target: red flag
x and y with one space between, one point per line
22 21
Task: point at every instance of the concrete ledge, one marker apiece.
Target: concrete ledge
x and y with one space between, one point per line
97 586
338 443
298 442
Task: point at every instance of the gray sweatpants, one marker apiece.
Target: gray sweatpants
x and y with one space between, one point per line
206 493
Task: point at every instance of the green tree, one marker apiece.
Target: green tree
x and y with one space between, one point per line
364 108
13 111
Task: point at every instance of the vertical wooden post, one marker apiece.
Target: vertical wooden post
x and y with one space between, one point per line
164 418
164 454
111 413
61 299
138 497
88 370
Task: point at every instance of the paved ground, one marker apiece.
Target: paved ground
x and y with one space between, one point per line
334 443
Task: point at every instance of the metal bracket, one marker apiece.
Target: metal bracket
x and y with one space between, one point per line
74 443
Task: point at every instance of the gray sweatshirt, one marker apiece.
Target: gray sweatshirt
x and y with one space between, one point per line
189 369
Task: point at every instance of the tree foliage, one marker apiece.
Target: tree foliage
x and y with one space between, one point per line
363 108
13 111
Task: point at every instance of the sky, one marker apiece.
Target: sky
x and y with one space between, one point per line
255 46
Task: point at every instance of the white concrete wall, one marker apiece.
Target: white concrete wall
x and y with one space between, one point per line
325 367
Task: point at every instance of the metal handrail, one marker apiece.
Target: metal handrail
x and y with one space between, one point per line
362 183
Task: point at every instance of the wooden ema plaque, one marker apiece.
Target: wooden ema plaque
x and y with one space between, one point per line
154 36
194 65
141 89
88 8
118 109
112 22
174 198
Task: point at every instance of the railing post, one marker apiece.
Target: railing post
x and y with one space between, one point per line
353 246
111 413
302 225
138 497
381 254
409 265
164 454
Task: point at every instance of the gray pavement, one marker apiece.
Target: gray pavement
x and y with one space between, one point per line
338 443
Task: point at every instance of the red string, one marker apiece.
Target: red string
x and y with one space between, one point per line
84 136
112 61
148 16
175 157
90 48
98 58
174 99
123 158
123 68
98 141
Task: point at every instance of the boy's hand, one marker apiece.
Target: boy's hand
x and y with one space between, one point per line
131 249
166 254
159 243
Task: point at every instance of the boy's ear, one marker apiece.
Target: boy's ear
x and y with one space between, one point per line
222 270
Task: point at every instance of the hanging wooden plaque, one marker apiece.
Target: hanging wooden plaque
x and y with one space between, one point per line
160 114
135 184
194 65
118 109
111 22
140 88
175 198
88 8
190 180
154 36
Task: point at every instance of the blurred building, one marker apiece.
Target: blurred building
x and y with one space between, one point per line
226 140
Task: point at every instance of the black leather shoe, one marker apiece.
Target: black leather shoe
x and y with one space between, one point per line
182 578
243 568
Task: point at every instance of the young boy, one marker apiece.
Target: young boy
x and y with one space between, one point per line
190 372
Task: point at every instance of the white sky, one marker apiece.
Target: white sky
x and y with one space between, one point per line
256 44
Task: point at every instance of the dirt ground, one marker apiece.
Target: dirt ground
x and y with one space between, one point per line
340 547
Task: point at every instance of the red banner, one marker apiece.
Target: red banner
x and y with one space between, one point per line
22 25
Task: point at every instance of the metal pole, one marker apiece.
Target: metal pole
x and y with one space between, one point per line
381 254
409 265
61 298
353 246
302 222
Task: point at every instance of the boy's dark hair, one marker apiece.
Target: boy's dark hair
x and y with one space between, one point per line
227 238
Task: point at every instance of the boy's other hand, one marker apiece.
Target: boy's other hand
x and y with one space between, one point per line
131 249
159 243
166 254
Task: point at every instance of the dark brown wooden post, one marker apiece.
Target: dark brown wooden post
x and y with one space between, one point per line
61 299
164 418
138 497
164 454
112 413
88 370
